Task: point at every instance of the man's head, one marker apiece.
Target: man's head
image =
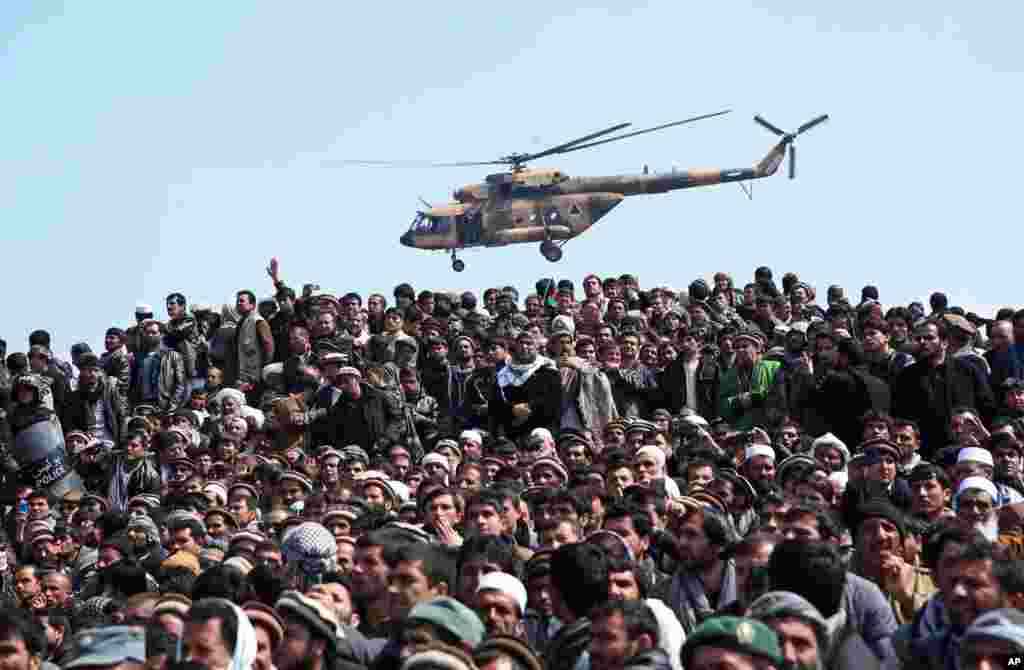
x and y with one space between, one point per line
974 584
994 640
702 536
803 632
975 503
579 580
619 630
212 629
501 603
22 641
931 341
418 572
732 642
310 632
484 514
793 560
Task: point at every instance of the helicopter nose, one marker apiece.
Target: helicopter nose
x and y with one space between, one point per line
407 239
602 204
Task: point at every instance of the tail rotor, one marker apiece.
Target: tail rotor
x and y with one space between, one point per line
789 138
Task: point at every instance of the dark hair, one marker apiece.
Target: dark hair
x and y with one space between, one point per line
252 298
16 624
874 323
714 525
487 497
193 524
926 471
1010 575
206 610
40 337
901 313
828 527
177 580
125 577
221 581
492 549
982 550
436 562
636 616
641 522
639 573
898 423
112 523
580 573
793 560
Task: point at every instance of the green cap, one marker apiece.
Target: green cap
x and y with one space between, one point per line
747 636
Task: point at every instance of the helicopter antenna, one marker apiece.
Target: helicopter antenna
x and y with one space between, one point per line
425 203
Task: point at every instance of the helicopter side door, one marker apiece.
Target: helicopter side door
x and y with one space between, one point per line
470 226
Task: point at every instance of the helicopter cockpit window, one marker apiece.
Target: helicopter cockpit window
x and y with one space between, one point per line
424 223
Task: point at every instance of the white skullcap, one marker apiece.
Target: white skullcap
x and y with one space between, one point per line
842 477
507 584
758 450
980 483
655 452
471 435
542 433
975 455
439 459
143 308
401 489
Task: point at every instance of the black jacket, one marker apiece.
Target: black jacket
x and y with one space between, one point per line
542 392
928 396
672 386
841 398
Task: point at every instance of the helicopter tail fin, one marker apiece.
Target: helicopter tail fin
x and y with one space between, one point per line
767 166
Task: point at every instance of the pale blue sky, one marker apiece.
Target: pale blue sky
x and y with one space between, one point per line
153 147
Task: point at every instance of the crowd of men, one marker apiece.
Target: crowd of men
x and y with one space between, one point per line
600 476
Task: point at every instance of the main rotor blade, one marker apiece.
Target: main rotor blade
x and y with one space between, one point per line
813 122
562 147
645 130
792 161
769 126
407 163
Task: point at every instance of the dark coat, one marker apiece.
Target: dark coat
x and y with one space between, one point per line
672 386
840 399
542 392
374 422
928 396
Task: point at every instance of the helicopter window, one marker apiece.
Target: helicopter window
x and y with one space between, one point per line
432 224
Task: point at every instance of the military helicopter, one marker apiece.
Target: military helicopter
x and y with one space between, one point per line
548 206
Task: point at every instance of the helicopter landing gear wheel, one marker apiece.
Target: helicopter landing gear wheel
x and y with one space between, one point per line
551 251
458 265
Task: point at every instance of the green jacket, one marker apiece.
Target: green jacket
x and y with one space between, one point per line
729 405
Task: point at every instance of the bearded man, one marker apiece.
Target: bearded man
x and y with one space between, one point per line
96 407
527 393
588 403
745 388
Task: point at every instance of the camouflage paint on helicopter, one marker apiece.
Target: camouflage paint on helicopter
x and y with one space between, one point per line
548 206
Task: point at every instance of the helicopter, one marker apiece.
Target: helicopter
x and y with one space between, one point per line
524 205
